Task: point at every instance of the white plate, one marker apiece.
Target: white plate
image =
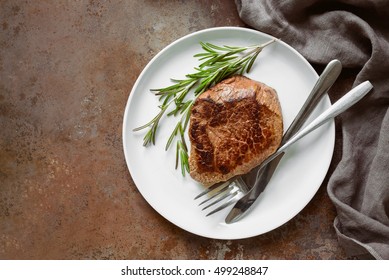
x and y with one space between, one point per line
298 176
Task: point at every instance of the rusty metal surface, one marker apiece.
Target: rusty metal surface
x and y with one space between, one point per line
66 70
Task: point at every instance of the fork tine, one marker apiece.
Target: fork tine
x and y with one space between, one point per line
221 207
217 193
223 191
227 193
211 188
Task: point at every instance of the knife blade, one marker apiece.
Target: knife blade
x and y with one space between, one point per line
261 178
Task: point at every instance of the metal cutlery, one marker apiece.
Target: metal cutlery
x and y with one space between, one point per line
349 99
228 191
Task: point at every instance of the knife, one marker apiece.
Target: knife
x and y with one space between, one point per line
325 81
349 99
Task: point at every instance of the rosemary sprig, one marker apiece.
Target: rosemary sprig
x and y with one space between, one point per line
217 63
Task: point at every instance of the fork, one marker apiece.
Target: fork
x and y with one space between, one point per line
230 190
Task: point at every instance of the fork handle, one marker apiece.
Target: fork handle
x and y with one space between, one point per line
337 108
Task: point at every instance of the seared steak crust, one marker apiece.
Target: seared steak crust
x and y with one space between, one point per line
234 126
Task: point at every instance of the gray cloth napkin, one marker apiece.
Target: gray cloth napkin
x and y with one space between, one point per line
357 33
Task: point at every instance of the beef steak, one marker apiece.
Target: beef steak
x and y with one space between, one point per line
234 126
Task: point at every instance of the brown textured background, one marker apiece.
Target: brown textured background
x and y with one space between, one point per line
66 70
